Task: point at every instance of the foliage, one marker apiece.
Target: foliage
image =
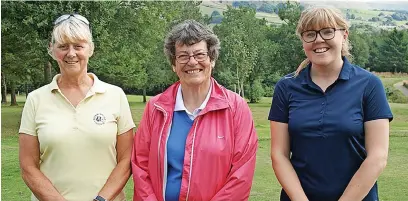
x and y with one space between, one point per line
240 54
256 91
128 37
394 52
395 96
360 48
216 17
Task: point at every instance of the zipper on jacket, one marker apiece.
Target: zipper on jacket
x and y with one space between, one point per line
191 159
158 153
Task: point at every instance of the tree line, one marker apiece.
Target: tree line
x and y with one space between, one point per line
129 37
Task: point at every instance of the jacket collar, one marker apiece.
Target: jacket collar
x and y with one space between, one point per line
179 105
218 99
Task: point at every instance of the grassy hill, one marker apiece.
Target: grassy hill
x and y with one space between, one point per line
363 12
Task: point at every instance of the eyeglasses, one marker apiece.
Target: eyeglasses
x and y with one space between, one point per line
67 16
199 57
326 33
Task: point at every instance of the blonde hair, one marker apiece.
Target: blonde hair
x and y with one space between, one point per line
71 30
321 17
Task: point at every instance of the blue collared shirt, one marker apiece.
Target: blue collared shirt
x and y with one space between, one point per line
326 129
181 124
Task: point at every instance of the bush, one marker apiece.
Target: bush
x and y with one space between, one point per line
269 90
405 83
395 96
256 92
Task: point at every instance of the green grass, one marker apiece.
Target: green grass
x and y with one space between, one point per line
368 14
207 7
393 183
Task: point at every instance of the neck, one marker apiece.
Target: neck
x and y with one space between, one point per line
194 96
80 81
328 71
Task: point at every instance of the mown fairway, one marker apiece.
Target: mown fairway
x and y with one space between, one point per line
392 183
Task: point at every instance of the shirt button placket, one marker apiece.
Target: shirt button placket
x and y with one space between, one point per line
75 126
324 105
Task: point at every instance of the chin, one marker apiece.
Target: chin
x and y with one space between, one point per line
322 61
196 81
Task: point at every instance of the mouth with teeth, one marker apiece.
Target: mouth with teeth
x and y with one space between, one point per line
71 62
193 71
321 50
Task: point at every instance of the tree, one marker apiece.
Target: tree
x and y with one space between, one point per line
3 89
138 52
288 53
26 32
360 48
289 12
18 44
239 53
216 17
394 52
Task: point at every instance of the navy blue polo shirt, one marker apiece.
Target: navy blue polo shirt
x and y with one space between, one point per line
326 129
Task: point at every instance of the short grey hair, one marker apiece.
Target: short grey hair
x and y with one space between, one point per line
190 32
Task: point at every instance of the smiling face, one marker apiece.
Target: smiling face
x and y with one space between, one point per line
72 58
71 45
325 52
322 52
193 73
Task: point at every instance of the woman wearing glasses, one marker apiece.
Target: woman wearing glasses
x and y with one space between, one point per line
196 140
76 132
329 119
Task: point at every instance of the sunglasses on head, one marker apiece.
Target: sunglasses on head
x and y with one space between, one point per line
67 16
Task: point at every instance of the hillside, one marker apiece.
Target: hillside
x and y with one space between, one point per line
379 15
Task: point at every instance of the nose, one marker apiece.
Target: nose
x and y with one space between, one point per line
71 51
192 61
319 38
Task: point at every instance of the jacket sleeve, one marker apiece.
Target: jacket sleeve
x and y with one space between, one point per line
239 181
143 189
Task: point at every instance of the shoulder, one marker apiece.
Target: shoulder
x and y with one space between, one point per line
235 101
362 74
232 96
110 87
359 71
40 92
289 81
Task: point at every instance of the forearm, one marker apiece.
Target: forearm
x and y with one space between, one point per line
288 178
364 179
239 182
40 185
116 181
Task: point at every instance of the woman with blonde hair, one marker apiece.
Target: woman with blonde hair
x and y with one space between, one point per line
329 120
76 132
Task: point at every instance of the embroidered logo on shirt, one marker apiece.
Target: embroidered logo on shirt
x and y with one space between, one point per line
99 119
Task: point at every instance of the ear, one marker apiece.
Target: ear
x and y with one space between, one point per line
345 35
91 49
174 68
212 64
51 50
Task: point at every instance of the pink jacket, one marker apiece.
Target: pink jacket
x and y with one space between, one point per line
219 161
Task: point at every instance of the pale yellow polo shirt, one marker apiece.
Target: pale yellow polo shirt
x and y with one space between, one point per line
77 145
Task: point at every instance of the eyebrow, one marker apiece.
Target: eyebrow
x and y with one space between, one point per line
195 51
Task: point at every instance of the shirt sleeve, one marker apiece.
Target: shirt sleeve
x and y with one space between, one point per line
28 125
375 103
125 120
279 109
